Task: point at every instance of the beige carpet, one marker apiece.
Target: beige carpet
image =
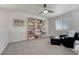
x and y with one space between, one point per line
36 47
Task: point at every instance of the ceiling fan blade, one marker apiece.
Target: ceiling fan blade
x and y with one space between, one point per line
50 11
40 12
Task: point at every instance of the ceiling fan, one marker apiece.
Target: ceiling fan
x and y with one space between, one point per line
46 10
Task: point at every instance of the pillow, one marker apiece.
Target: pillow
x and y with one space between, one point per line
71 34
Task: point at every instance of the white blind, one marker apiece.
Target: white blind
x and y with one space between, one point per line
61 24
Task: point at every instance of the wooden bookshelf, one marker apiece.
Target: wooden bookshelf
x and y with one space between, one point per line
35 28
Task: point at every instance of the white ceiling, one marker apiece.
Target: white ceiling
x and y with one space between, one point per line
58 9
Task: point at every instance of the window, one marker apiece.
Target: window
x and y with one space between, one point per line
61 24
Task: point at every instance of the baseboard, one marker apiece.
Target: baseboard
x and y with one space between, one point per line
3 48
16 41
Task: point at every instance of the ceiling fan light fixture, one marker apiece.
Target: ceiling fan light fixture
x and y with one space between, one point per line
45 11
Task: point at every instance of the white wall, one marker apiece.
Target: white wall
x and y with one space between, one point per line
19 33
9 33
73 19
4 30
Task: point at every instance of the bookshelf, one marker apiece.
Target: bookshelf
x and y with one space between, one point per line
35 29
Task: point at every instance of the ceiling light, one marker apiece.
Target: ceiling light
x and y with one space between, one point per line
45 11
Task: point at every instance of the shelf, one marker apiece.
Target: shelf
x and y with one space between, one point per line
35 28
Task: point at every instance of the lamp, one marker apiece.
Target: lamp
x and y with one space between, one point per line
45 11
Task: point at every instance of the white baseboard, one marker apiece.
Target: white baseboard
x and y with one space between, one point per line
1 50
16 40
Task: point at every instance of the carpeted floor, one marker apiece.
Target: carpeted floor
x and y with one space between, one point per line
36 47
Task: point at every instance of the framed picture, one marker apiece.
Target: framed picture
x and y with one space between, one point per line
18 22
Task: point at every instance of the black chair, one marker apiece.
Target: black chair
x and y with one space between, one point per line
69 41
